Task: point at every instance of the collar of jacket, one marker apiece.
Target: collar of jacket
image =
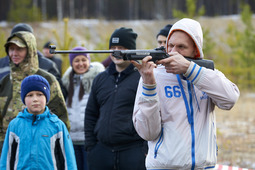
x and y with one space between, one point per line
112 69
26 114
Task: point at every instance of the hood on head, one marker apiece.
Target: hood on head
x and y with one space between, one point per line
193 29
30 63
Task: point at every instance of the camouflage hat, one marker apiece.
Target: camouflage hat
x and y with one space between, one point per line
17 41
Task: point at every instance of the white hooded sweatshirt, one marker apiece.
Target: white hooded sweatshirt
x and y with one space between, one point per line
177 116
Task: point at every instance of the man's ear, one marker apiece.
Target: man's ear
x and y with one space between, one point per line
196 52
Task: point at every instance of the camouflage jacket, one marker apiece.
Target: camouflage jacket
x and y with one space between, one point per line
10 100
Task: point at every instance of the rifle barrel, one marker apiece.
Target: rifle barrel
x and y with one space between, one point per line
81 51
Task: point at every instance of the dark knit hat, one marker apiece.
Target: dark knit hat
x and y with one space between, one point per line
35 83
164 31
22 27
47 44
123 37
73 55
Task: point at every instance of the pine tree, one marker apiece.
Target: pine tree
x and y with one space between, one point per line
242 56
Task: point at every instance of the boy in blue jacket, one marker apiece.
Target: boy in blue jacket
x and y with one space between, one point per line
37 138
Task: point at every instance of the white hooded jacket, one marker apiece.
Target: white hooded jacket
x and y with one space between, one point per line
177 116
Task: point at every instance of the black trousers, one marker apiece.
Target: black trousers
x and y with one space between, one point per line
102 158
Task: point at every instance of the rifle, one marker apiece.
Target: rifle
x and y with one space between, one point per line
157 54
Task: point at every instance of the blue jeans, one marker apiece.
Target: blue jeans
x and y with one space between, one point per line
81 157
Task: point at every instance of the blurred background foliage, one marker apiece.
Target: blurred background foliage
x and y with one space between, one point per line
64 43
239 61
24 10
233 52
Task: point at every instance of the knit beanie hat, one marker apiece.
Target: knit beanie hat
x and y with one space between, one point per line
164 31
35 83
47 44
73 55
123 37
22 27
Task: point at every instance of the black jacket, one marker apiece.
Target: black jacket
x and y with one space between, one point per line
109 109
58 63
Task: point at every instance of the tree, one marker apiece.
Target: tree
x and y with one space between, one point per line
64 43
24 11
44 10
60 10
242 49
72 9
191 10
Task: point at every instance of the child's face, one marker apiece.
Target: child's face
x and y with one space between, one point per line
35 102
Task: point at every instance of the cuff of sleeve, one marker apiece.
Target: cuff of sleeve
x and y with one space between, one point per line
194 72
149 89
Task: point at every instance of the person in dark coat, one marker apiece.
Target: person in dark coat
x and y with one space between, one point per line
52 57
162 35
111 140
